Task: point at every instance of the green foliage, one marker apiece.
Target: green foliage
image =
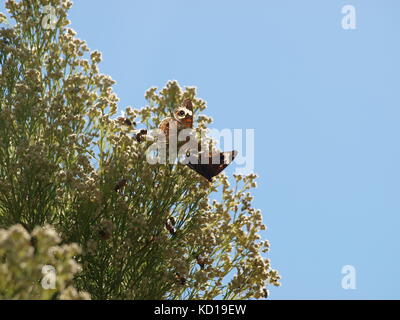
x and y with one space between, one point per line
62 154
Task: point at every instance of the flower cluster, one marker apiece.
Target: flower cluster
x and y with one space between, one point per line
23 261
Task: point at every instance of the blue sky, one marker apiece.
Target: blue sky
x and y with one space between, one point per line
325 106
324 103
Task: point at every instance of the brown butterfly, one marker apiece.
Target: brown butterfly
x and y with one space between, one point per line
184 114
209 169
183 118
171 127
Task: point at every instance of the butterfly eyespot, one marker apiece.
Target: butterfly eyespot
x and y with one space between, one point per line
181 114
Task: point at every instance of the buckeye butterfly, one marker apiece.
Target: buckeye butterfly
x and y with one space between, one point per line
209 169
183 119
172 126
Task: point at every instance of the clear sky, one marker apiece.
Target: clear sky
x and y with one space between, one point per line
324 103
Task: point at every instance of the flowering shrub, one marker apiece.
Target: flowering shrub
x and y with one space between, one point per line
146 231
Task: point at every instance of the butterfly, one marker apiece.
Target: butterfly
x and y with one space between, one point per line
209 169
183 118
184 114
172 126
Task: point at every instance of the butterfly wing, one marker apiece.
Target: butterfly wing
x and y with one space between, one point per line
209 170
201 170
184 114
183 117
